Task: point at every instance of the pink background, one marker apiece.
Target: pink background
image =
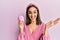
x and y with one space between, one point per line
10 9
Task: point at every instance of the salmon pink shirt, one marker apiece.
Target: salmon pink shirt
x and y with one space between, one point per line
38 34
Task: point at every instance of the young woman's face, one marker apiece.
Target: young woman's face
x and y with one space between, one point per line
32 13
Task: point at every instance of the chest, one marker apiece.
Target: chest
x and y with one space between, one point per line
32 28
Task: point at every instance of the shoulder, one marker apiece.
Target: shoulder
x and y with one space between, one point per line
42 25
26 26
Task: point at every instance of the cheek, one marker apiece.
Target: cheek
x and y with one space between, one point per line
29 16
35 15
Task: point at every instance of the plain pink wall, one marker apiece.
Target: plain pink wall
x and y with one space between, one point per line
10 9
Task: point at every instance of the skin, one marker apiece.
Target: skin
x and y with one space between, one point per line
50 24
21 25
33 15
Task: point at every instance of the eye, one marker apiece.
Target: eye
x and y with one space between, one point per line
29 12
34 11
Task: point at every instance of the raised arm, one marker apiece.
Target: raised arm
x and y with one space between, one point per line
48 25
21 27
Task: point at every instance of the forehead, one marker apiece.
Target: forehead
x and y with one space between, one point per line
32 9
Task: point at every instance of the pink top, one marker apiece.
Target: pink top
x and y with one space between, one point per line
38 34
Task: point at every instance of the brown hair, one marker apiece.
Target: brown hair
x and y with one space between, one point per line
38 20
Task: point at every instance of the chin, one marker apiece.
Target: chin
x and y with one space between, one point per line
33 20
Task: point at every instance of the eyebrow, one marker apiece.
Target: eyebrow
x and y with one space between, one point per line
34 10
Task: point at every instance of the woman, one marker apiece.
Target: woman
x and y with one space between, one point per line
34 29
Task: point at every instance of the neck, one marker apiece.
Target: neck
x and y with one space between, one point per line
33 22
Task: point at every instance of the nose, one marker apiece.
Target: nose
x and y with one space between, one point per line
32 15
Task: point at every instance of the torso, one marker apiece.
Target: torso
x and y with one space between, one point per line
32 28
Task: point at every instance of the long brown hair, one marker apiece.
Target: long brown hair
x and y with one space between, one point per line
38 20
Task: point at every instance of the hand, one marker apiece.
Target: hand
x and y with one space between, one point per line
21 23
49 24
57 21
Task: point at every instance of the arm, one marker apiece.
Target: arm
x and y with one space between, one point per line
45 31
21 28
48 25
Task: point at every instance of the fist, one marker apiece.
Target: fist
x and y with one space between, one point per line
21 22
